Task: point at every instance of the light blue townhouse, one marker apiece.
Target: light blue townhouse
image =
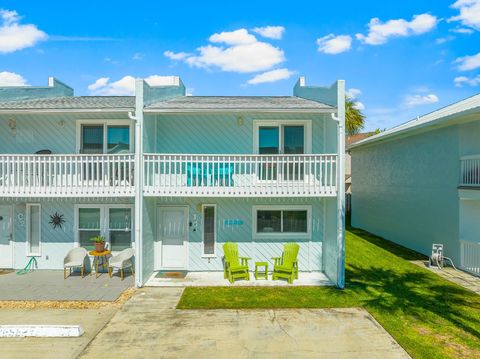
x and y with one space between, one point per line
172 176
418 184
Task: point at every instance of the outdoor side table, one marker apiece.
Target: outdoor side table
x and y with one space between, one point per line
97 256
261 270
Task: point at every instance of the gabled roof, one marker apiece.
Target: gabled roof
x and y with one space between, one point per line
443 116
238 103
126 103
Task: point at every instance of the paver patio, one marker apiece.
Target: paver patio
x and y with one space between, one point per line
50 285
149 326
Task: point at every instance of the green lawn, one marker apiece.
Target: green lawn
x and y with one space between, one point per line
429 316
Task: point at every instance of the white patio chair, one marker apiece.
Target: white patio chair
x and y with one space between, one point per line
75 259
121 261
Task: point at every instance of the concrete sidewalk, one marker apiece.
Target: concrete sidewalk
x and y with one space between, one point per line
149 326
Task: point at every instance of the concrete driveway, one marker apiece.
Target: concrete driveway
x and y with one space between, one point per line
91 320
149 326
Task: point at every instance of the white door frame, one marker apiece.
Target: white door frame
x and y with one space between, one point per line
157 260
12 231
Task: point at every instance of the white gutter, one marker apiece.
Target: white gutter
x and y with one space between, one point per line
60 111
341 185
138 171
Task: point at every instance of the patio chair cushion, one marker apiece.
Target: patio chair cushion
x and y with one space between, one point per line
72 264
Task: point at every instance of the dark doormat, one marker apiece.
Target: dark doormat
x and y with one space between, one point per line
179 274
5 271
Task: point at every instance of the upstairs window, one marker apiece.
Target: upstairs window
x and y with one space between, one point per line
98 138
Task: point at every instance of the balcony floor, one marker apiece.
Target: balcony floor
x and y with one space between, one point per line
215 279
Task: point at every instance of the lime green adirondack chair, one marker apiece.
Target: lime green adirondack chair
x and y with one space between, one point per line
235 267
286 266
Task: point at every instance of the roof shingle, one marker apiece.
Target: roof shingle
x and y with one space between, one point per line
237 102
70 103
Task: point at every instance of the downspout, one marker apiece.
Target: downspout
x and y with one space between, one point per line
138 166
341 184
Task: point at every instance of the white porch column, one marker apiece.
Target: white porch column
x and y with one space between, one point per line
341 185
138 175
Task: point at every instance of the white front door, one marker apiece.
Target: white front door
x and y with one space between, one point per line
6 243
172 238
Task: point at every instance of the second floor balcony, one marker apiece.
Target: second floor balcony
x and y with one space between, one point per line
169 175
306 175
69 175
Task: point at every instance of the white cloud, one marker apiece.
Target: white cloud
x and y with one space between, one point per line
15 36
12 79
271 76
467 63
359 105
416 100
237 37
271 32
353 93
464 80
462 30
332 44
126 85
469 13
176 55
240 52
138 56
442 40
379 32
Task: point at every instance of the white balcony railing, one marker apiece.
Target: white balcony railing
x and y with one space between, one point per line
66 175
240 175
470 171
470 256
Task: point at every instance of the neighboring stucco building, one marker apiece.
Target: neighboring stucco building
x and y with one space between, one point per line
419 183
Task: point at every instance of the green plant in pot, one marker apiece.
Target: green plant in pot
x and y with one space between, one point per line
99 243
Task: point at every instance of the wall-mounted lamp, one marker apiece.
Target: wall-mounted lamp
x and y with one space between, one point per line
61 123
240 121
12 123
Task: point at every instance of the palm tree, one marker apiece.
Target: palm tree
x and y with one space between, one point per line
354 118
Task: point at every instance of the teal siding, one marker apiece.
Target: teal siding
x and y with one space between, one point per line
149 229
56 132
310 257
55 243
222 133
406 190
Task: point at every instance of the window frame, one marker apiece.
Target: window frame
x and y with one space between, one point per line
104 222
105 124
307 125
282 208
214 255
28 224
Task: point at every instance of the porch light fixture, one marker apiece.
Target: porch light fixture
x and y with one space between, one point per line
240 121
12 123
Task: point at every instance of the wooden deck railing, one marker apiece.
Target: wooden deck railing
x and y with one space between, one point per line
240 175
470 171
66 175
470 256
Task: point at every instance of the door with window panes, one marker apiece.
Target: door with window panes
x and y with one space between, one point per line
281 139
112 222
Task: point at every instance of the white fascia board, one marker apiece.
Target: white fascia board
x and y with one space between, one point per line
252 110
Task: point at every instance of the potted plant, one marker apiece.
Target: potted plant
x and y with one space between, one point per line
99 243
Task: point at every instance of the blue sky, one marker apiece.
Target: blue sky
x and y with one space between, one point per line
401 60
